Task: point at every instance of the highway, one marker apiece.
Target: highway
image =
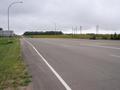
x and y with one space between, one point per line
72 64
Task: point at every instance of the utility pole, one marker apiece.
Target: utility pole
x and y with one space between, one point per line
97 29
55 28
76 29
80 29
72 31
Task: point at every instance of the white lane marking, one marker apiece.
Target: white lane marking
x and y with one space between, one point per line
52 69
107 47
115 56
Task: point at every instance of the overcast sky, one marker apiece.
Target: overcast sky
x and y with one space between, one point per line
34 14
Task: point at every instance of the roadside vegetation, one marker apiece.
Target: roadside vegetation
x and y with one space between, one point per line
13 74
59 34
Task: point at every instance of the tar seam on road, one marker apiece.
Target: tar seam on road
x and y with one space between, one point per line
115 56
51 68
107 47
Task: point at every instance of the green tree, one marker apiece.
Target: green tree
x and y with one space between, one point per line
112 37
115 36
119 36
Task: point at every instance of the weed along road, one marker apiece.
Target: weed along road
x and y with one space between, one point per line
72 64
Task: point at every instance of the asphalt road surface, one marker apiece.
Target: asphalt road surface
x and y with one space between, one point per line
72 64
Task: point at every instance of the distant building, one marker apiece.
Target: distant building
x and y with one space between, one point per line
6 33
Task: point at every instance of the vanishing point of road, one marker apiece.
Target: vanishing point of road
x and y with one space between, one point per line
72 64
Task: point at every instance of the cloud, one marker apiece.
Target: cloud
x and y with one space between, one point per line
34 13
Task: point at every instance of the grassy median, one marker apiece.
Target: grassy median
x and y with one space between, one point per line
13 73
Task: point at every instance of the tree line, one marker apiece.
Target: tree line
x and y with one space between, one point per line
43 33
115 36
1 29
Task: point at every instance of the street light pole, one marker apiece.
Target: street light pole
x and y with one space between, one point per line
9 12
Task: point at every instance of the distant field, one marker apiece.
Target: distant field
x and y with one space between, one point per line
59 36
50 36
77 36
12 69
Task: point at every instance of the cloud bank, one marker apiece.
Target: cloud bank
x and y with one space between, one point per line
36 14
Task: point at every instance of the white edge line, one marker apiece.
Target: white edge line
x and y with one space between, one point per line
52 69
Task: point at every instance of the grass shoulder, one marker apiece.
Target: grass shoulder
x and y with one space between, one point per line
13 73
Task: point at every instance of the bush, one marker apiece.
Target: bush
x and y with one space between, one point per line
1 29
115 36
119 36
93 36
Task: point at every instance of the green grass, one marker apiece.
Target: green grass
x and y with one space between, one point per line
77 36
13 73
49 36
59 36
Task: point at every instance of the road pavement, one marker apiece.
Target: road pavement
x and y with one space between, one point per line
79 64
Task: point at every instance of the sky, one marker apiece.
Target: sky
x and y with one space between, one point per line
37 15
